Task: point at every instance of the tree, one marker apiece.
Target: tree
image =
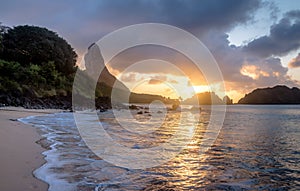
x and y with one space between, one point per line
3 29
35 45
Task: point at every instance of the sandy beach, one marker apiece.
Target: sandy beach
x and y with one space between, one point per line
20 155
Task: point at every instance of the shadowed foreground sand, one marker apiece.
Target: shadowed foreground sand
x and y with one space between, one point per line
20 155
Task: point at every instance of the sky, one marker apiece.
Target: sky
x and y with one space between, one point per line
255 43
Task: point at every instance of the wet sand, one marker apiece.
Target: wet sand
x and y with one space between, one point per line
20 155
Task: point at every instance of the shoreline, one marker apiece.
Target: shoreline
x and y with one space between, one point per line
20 155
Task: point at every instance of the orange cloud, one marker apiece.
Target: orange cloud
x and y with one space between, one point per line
253 72
155 81
295 62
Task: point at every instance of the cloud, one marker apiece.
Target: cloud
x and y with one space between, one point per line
157 79
173 81
268 72
128 77
295 14
237 66
134 77
283 38
85 22
217 14
149 59
295 62
243 70
273 8
253 71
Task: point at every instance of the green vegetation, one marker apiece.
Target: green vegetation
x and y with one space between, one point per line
35 45
275 95
42 80
35 62
3 29
84 85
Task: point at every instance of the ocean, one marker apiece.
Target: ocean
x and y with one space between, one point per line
258 148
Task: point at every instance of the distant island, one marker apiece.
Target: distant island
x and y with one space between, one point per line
207 98
274 95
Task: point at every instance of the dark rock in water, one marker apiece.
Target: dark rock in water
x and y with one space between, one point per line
275 95
140 112
103 103
44 143
136 146
133 107
102 110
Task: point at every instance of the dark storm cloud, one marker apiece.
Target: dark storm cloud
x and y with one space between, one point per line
84 22
293 14
232 59
187 14
284 37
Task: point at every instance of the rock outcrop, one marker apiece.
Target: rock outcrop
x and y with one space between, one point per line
207 98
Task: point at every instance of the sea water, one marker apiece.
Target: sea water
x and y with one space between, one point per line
258 148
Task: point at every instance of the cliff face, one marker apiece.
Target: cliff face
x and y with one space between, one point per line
275 95
94 63
106 82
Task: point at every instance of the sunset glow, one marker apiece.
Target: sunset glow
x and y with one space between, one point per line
150 95
253 72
